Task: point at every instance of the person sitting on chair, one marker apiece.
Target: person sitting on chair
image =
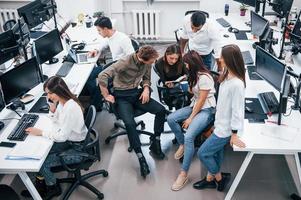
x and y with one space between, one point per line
202 36
195 117
67 115
120 45
170 67
127 73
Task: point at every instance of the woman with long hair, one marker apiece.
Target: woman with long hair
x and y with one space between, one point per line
229 118
195 117
67 115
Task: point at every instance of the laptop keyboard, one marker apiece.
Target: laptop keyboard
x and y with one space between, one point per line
64 69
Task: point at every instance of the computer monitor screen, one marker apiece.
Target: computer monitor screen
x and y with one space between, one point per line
258 24
247 2
19 80
8 46
282 7
25 32
48 45
270 68
297 28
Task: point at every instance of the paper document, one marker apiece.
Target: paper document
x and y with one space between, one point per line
285 133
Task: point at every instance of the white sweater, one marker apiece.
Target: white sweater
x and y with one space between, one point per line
68 123
230 108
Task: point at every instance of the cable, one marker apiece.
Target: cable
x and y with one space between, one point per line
9 119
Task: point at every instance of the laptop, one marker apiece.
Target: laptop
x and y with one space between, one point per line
80 56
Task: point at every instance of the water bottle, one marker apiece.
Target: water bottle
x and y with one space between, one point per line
226 9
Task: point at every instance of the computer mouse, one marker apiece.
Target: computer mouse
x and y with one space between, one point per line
44 108
226 36
248 109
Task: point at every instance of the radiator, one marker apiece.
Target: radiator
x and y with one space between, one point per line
7 14
146 24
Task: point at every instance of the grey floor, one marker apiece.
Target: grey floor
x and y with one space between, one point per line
267 177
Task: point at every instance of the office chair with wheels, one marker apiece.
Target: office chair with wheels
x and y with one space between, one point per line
112 108
9 24
89 152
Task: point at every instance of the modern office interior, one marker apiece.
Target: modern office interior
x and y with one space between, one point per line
96 50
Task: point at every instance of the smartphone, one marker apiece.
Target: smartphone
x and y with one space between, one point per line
7 144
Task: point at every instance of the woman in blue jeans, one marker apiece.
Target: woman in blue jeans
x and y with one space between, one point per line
229 118
194 117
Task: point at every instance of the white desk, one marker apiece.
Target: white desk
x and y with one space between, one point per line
264 138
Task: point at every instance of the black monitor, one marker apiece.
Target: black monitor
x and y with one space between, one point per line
282 7
270 68
258 24
36 12
48 46
19 80
296 33
247 2
8 46
25 32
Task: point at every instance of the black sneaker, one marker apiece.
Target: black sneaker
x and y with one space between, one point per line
155 149
223 182
202 184
144 169
53 191
39 184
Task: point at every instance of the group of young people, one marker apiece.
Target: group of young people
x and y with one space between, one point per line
131 77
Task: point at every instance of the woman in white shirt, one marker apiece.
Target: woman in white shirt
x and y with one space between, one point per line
195 117
229 118
68 126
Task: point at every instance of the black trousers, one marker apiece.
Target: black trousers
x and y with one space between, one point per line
94 91
127 102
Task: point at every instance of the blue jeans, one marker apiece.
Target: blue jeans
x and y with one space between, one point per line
198 124
53 160
94 91
208 60
211 153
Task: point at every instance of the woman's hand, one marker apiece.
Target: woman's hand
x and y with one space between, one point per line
52 107
186 123
236 141
33 131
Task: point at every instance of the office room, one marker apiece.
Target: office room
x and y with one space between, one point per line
150 99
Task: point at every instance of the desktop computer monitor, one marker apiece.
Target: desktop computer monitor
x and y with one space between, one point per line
296 33
25 32
258 24
8 46
270 68
282 7
19 80
48 46
247 2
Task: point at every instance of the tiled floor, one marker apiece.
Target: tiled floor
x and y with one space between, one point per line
267 177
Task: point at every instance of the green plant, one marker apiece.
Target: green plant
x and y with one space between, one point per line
243 7
98 14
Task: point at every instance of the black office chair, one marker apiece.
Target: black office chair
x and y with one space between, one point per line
112 108
187 13
7 193
9 24
135 44
89 152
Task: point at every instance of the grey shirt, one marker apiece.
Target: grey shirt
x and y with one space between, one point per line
127 73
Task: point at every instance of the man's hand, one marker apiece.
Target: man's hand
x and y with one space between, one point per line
145 95
110 98
236 141
186 123
33 131
92 53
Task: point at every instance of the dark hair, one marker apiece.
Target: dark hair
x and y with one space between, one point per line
103 22
198 19
58 86
196 65
234 62
147 52
173 49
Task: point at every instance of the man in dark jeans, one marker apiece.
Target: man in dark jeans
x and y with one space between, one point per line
127 74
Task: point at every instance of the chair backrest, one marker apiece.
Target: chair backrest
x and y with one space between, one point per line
90 117
193 11
9 24
135 44
215 75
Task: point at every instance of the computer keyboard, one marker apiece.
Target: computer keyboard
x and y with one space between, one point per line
246 55
270 102
65 69
223 22
27 120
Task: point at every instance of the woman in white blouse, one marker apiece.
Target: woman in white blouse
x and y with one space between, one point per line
67 115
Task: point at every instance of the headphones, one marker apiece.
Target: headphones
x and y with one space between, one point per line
233 30
78 46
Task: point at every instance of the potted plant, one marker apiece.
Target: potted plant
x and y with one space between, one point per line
243 9
98 14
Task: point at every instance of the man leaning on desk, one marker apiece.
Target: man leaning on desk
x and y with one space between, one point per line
120 45
127 74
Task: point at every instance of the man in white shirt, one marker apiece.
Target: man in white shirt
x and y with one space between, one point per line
120 46
202 36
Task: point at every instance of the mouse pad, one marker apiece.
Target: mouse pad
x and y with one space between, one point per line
36 107
255 105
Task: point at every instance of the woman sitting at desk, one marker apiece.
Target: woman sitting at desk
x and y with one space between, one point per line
195 117
67 115
170 67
